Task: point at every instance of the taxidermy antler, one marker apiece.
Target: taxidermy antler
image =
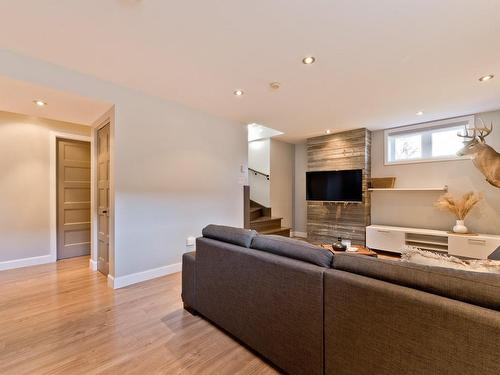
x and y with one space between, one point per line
484 157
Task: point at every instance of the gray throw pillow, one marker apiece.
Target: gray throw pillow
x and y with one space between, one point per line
236 236
294 249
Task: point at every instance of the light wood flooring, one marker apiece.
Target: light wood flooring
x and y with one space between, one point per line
63 319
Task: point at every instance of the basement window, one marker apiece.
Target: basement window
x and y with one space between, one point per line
431 141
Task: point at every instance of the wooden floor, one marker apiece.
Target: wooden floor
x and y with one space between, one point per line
63 319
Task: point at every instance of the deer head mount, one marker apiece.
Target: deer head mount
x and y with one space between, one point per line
484 157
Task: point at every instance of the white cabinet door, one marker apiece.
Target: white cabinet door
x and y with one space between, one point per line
477 247
385 239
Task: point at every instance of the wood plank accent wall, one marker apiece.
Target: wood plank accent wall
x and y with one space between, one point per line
340 151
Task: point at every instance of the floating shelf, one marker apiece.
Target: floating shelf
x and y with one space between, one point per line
442 188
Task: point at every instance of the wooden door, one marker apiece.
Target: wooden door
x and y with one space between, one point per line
103 199
73 198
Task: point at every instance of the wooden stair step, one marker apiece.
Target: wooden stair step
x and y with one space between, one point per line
282 231
255 204
256 212
266 211
265 223
266 218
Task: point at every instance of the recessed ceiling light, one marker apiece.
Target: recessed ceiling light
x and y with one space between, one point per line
486 78
328 131
308 60
238 92
275 85
40 103
419 113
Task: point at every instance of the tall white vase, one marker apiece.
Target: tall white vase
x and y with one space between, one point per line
460 227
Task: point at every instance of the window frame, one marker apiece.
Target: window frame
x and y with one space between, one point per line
417 128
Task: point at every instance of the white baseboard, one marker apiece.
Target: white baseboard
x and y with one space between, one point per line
122 281
111 281
92 265
26 262
299 234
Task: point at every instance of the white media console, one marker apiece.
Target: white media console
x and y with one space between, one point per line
388 238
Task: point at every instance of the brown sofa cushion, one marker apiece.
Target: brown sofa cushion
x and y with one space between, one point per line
376 327
188 279
482 289
294 249
273 304
236 236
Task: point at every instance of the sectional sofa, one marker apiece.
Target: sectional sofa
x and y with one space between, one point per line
310 312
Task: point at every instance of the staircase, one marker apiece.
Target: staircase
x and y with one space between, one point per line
262 221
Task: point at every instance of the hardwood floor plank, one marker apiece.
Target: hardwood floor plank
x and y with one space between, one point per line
63 319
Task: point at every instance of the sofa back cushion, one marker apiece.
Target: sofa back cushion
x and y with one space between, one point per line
273 304
404 330
294 249
482 289
236 236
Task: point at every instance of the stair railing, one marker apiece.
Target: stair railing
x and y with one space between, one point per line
259 173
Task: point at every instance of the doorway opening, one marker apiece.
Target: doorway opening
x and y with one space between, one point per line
73 174
52 153
81 196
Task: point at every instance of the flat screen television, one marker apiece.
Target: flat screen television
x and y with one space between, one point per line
338 186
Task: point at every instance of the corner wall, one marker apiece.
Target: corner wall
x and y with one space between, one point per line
259 159
282 165
299 190
415 209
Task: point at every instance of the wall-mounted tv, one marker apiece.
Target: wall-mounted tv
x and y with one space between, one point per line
339 186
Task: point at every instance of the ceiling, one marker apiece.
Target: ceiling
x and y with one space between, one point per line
18 97
377 62
256 132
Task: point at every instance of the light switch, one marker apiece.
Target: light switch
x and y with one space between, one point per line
190 241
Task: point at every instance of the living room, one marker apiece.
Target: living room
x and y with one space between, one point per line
252 188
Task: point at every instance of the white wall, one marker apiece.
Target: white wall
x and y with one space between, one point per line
299 193
282 166
259 159
176 169
259 154
24 186
416 209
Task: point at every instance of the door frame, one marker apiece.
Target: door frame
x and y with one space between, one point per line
54 135
105 123
106 118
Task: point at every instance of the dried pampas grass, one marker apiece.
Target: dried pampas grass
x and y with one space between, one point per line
459 207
